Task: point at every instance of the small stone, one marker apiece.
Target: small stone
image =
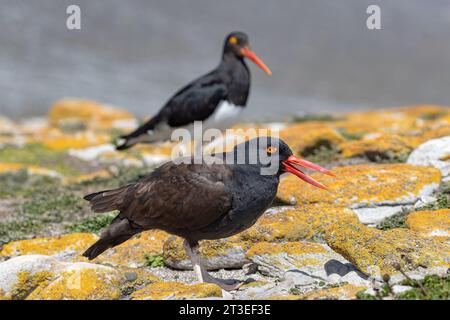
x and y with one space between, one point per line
130 276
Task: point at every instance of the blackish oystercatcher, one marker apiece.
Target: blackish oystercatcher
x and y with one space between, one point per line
201 201
216 98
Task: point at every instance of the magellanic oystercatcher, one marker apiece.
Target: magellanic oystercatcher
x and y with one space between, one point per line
201 201
216 98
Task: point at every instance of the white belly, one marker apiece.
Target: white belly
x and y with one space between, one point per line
224 117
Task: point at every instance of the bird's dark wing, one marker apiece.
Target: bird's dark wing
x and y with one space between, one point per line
195 102
183 196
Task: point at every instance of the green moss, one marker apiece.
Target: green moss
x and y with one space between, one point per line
436 288
154 261
398 220
432 287
38 155
18 229
321 152
93 224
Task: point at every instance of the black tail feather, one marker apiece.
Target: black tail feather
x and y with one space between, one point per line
119 231
107 200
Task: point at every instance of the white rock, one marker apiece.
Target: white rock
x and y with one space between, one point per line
430 153
32 264
373 216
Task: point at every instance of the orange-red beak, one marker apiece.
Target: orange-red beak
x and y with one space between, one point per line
290 163
246 52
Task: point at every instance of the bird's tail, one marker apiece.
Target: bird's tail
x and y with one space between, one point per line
141 134
124 142
120 230
108 200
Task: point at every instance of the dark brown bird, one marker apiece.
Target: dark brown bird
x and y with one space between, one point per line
201 201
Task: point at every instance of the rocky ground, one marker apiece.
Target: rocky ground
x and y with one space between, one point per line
382 232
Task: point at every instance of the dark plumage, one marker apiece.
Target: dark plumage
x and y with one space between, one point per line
199 201
215 98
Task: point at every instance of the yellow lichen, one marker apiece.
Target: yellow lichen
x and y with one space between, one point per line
176 290
90 113
430 223
309 135
49 246
362 184
27 282
57 140
132 253
81 284
378 252
299 223
384 146
174 249
291 248
345 292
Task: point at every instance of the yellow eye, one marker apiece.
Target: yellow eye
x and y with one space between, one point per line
233 40
271 150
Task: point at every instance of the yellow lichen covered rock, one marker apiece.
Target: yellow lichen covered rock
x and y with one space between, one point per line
430 223
297 258
303 138
216 254
296 223
49 246
19 276
132 253
81 281
345 292
380 147
403 121
89 113
362 185
378 252
177 290
57 140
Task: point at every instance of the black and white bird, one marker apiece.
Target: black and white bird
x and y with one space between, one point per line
216 98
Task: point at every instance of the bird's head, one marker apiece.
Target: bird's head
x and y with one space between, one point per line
275 156
237 43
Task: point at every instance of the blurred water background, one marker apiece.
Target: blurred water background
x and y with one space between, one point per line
135 54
